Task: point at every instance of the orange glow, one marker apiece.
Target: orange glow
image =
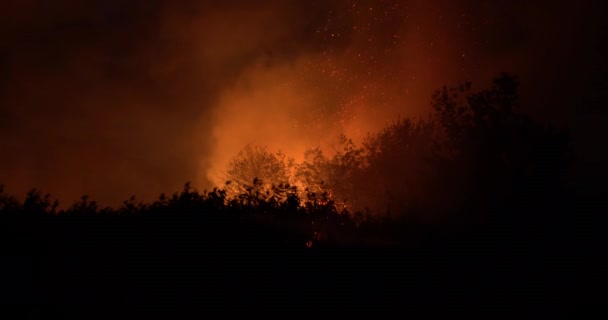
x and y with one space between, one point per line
120 98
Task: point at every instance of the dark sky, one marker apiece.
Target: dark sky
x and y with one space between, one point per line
114 98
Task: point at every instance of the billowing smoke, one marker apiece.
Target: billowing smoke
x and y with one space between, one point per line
114 98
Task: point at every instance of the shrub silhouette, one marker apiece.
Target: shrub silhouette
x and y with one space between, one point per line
255 164
473 154
492 174
504 154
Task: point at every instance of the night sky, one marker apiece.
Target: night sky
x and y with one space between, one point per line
120 98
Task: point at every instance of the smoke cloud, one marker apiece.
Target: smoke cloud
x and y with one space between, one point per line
114 98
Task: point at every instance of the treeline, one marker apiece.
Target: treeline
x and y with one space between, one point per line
476 151
468 206
474 160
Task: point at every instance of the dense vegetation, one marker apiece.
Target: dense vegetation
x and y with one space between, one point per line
470 206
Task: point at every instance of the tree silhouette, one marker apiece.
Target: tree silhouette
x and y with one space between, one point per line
400 171
255 168
8 203
331 178
495 151
353 228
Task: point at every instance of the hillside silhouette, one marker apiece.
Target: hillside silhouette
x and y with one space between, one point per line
471 206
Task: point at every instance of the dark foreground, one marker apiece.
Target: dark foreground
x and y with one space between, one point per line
92 265
521 234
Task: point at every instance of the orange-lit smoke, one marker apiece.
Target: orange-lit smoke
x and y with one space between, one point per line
375 62
114 98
